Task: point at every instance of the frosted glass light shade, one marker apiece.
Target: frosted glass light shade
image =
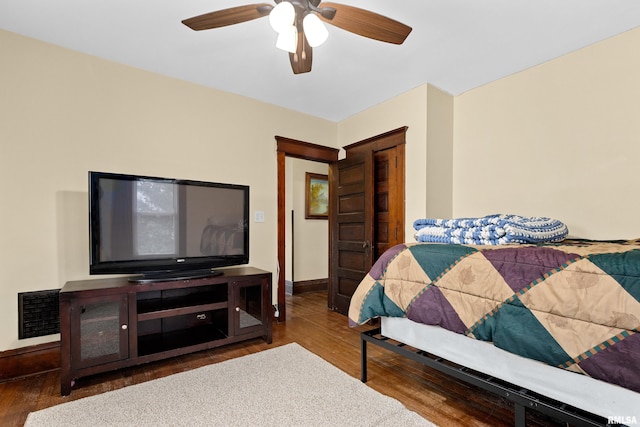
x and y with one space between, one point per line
288 39
315 30
282 16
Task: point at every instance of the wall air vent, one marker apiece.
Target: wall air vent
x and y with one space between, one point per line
38 313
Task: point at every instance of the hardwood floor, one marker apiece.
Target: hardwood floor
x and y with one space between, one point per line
445 401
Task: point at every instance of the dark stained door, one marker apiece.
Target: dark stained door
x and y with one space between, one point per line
389 199
351 215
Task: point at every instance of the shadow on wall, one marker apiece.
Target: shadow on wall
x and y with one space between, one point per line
72 229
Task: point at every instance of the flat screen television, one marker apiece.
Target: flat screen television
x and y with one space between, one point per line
164 228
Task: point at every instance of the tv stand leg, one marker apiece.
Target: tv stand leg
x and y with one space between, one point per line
65 386
520 416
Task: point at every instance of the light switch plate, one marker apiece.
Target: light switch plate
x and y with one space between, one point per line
259 216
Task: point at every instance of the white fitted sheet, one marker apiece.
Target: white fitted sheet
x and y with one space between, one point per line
580 391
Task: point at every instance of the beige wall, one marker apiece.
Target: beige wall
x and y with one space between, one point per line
63 113
439 165
561 140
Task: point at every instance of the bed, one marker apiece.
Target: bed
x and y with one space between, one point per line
551 326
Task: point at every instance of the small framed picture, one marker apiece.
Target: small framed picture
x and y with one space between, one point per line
316 196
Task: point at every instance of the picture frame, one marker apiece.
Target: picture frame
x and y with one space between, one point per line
316 196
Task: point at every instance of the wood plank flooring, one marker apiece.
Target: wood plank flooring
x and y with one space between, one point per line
445 401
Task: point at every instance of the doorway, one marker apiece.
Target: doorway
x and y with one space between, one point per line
385 207
307 233
287 147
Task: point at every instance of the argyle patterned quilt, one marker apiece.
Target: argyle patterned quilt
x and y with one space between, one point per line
573 304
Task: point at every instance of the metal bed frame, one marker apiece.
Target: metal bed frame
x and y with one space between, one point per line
521 398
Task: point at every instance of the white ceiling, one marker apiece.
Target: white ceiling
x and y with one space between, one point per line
456 45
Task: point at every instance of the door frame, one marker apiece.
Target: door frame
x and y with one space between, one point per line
287 147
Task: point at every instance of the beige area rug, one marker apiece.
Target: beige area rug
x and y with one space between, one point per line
282 386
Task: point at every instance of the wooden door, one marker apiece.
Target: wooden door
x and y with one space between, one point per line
361 232
351 218
389 199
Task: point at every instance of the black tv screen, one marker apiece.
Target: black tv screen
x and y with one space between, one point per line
159 226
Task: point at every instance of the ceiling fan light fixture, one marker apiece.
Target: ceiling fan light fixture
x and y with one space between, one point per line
315 30
300 27
282 17
288 39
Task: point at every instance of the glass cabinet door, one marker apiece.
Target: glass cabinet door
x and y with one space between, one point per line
102 330
249 307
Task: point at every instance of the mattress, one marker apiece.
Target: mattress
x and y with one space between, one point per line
595 396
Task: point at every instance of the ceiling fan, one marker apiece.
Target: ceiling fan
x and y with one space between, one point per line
300 28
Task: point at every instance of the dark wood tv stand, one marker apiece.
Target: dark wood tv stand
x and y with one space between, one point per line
107 324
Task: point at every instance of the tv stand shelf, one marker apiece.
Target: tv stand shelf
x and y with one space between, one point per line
107 324
170 312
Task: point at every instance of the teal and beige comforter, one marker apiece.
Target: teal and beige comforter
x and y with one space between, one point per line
573 304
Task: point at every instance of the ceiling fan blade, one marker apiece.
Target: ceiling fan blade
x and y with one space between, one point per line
366 23
302 58
222 18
